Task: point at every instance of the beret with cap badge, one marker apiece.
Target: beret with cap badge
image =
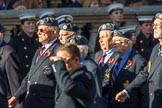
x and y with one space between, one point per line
108 26
48 21
69 27
126 34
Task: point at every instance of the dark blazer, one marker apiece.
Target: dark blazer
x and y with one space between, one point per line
39 84
91 66
75 90
145 45
131 77
25 48
9 73
155 78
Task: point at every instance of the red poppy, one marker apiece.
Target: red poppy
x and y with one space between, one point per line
129 63
111 60
98 58
47 53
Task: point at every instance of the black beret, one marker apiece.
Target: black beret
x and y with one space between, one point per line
48 21
69 27
78 39
126 34
108 26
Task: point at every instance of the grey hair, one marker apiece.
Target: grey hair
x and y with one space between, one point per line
83 48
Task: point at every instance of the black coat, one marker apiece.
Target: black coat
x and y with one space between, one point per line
39 84
145 45
25 47
75 90
155 78
9 73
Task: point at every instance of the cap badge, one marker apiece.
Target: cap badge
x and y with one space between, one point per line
104 26
41 22
64 27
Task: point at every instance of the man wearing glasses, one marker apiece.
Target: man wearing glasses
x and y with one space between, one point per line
39 84
155 66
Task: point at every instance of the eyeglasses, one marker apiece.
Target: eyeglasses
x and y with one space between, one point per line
42 30
156 25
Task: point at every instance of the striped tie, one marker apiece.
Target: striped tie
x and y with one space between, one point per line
114 72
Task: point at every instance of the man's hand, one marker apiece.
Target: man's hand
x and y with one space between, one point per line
55 58
12 102
121 96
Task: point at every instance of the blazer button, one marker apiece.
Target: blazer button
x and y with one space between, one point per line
27 92
27 65
157 72
35 82
28 81
25 48
26 56
150 94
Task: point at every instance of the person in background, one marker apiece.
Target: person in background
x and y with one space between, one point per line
145 40
116 14
10 75
154 66
65 19
39 84
90 64
75 84
91 3
26 42
67 30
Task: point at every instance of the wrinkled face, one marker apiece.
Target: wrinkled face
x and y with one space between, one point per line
119 44
105 40
29 26
45 35
117 16
69 62
157 26
146 28
64 35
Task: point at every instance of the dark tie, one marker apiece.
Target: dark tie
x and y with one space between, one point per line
114 72
102 58
40 53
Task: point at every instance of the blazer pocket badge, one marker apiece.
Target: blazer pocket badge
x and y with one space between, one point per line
47 70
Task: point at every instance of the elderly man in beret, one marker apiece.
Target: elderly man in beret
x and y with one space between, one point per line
39 84
127 75
154 66
67 30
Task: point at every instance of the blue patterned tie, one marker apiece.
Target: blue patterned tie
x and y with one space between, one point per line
114 72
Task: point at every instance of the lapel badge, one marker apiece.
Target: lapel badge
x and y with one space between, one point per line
64 27
149 66
22 39
41 22
126 83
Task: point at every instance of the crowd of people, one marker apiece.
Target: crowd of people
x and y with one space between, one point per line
47 64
